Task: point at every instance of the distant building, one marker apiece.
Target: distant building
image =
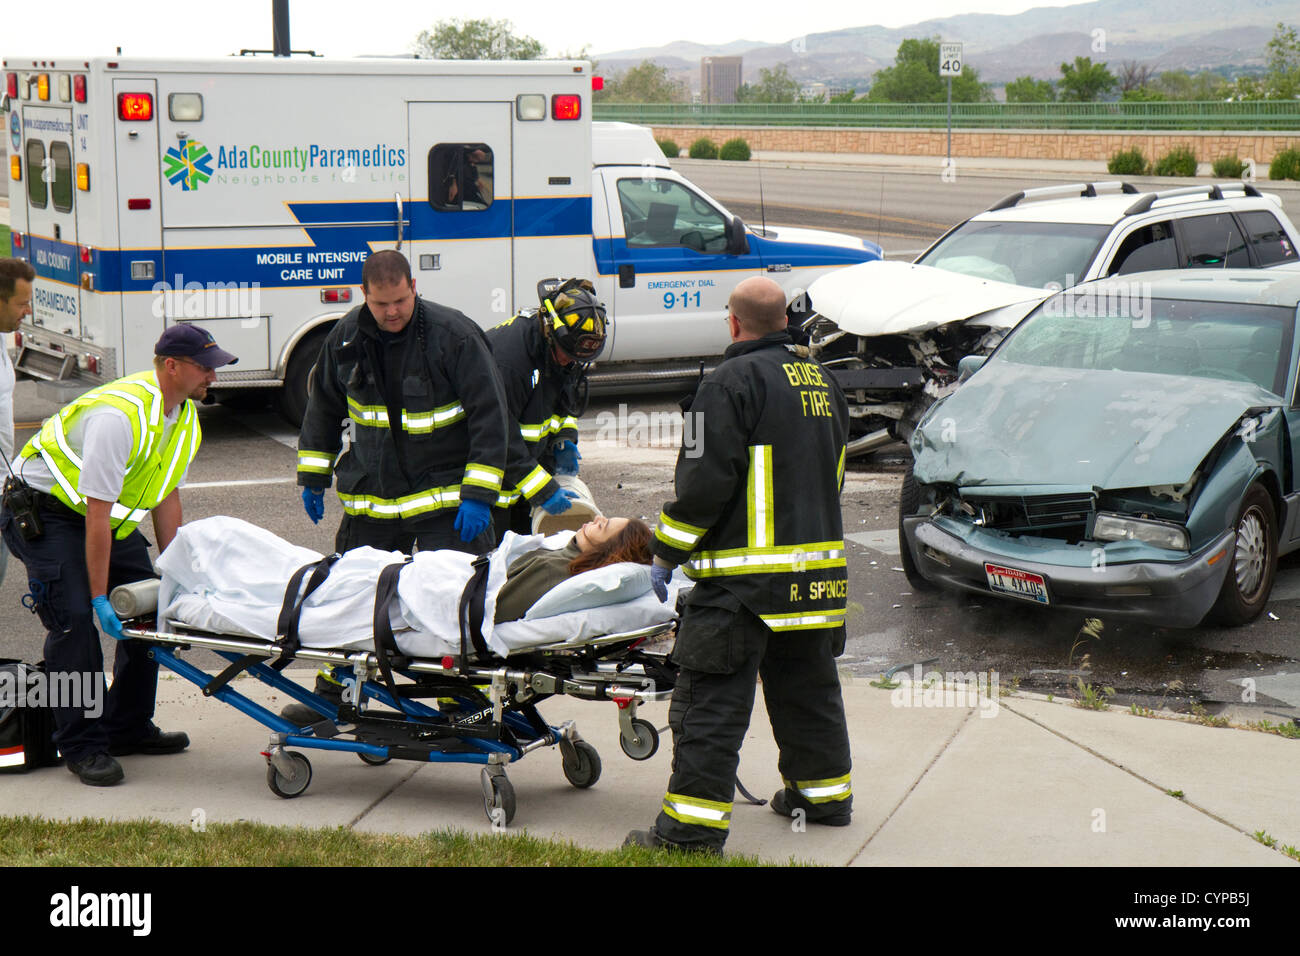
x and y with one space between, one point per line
813 93
719 78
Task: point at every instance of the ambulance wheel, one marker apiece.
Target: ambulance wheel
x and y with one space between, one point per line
646 742
586 768
373 761
291 401
498 798
289 787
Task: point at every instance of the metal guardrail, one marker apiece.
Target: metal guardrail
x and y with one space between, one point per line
1151 116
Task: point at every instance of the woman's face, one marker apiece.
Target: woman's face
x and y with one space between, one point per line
599 530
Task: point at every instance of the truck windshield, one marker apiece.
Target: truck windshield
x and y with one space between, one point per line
1033 254
1090 328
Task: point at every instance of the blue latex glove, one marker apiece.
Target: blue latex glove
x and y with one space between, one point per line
472 519
559 502
567 457
659 581
313 501
108 619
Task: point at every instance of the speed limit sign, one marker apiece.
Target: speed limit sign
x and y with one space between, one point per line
950 59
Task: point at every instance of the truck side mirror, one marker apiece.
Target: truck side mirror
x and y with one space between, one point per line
969 365
737 243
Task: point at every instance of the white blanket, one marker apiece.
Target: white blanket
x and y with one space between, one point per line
225 575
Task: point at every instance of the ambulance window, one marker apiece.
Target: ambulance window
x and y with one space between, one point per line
460 177
663 212
61 190
36 189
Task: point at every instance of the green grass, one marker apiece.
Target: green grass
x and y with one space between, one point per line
5 248
29 841
1092 698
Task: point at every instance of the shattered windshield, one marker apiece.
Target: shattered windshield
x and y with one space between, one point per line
1103 327
1022 253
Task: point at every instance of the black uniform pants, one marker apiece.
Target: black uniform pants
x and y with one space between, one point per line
721 648
60 588
431 532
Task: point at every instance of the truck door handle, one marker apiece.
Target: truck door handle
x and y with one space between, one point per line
626 276
398 198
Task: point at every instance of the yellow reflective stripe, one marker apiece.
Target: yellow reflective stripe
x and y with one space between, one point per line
315 461
762 533
535 433
61 439
569 422
839 469
482 476
803 622
376 416
73 495
692 810
505 500
185 422
372 506
123 513
786 558
678 534
535 482
822 791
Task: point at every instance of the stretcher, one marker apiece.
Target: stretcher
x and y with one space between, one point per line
469 705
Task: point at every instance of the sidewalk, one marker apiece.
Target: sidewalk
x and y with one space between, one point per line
1032 783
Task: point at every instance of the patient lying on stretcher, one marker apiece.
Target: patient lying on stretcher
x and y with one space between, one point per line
227 576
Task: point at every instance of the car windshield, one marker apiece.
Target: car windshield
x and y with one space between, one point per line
1101 327
1032 254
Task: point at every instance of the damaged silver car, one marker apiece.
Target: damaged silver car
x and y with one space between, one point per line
1131 449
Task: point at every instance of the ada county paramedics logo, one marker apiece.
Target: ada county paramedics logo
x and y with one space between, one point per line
188 163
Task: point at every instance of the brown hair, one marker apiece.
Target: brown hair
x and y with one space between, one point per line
11 270
385 267
630 544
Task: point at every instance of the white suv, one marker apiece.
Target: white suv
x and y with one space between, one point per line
893 332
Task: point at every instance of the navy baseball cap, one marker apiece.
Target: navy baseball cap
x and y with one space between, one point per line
190 341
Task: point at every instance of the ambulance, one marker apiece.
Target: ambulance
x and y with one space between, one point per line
245 193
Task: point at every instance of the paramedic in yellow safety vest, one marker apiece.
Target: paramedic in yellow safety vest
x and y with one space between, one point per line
85 481
756 523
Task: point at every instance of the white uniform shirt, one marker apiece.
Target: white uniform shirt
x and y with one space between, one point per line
6 408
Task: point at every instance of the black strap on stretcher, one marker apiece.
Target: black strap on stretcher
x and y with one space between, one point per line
385 644
286 625
472 601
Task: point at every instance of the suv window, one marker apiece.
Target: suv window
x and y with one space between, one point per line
661 212
1151 247
1213 242
1272 244
1022 253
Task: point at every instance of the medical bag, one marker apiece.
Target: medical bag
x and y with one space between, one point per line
26 731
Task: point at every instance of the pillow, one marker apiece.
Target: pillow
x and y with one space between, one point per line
612 584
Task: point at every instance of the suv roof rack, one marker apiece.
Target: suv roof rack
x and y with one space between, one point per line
1061 192
1186 192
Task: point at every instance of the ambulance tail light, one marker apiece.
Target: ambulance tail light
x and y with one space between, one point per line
86 254
15 167
43 86
16 239
597 84
135 106
336 295
79 87
11 85
91 364
566 106
83 177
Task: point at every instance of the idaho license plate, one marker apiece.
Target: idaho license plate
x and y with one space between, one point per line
1017 583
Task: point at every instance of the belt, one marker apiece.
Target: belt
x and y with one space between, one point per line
47 502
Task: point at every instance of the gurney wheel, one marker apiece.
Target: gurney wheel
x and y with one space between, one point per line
289 787
587 768
373 761
498 798
646 742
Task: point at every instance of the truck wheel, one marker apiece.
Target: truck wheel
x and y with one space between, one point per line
1252 561
292 398
908 498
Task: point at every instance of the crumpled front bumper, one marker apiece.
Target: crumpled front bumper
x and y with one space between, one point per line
1095 578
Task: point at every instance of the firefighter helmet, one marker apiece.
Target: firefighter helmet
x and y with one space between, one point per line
573 317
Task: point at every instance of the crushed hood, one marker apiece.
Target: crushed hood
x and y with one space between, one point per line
1014 424
892 298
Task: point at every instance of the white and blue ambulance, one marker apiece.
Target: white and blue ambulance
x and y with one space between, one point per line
245 194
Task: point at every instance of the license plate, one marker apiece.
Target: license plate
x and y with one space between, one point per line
1017 583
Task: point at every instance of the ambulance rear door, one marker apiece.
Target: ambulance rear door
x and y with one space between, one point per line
50 195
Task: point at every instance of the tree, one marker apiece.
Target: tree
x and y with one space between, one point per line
1085 81
1178 85
774 86
1134 76
1283 78
1026 89
458 39
914 78
846 97
644 83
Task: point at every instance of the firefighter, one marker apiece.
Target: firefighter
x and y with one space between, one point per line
543 355
757 525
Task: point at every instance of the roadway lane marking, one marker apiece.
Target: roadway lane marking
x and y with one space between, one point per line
273 427
886 542
241 481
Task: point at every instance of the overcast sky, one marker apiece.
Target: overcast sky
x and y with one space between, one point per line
351 28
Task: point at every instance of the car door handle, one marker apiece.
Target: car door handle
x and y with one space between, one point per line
626 276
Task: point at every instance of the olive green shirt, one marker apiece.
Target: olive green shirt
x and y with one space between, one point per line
531 576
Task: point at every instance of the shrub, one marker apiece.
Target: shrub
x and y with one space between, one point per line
1179 161
671 149
735 149
1127 162
703 148
1285 165
1228 167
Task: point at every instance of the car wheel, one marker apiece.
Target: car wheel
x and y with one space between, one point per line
1253 561
292 399
908 498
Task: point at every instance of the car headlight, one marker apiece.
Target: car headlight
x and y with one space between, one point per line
1158 534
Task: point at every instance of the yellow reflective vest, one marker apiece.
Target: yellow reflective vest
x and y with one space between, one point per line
153 469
